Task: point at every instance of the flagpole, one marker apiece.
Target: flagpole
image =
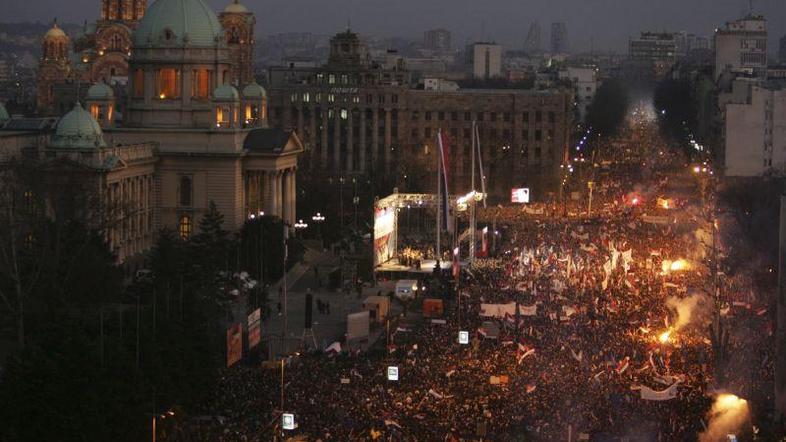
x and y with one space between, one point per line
439 195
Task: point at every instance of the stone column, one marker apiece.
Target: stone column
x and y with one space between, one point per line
293 194
362 152
388 135
324 148
285 196
279 190
350 144
374 135
270 206
337 140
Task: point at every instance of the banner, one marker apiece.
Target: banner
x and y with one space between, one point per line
484 243
357 325
234 344
384 225
254 331
665 395
501 310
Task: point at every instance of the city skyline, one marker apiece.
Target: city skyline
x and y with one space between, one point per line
605 25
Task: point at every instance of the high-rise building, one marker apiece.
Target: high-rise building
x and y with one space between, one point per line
532 44
485 59
741 47
755 141
654 47
559 38
438 40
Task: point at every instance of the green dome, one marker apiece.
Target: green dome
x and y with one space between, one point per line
4 114
254 90
100 91
78 130
226 92
236 8
190 22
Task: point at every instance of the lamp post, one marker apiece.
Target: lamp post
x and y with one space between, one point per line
300 225
318 220
252 217
160 416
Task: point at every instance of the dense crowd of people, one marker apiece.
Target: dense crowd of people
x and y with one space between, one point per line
607 338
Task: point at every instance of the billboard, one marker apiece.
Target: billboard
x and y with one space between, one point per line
254 328
234 344
520 195
357 325
384 237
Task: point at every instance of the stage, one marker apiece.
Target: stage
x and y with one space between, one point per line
426 267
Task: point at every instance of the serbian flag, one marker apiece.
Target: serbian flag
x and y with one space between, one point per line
444 163
484 243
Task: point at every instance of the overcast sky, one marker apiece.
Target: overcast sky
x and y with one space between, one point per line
609 23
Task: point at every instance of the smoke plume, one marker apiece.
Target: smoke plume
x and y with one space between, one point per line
695 308
727 416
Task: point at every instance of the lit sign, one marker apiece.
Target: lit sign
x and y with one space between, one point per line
464 337
520 195
392 373
288 421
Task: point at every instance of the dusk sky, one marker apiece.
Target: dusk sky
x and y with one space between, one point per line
608 22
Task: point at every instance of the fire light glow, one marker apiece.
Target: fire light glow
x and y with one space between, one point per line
664 337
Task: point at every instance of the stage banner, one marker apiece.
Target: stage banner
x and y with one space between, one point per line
357 325
234 344
665 395
384 227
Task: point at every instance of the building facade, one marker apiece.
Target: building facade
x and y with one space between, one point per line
438 40
187 138
485 59
741 47
755 136
101 52
357 118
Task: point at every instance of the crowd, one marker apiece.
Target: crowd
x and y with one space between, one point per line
596 331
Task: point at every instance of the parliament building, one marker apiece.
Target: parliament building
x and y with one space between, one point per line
193 131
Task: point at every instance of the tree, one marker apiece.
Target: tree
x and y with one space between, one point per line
676 107
608 109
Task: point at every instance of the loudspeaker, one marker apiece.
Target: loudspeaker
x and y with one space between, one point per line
309 303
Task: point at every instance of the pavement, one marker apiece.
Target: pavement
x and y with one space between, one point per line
326 328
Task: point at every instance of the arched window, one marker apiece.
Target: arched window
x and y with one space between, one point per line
185 197
117 43
185 226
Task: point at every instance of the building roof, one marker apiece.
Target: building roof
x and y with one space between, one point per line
226 92
78 130
236 8
55 32
254 90
100 91
267 140
187 22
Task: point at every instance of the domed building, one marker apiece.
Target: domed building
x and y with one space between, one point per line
101 51
193 130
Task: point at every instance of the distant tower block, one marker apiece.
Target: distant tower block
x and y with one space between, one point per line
559 38
533 44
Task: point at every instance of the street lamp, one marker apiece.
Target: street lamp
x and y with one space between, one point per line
160 416
300 225
318 219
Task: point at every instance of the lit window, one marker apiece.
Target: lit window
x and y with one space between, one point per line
167 83
306 97
200 83
331 79
95 111
185 226
223 115
343 114
331 98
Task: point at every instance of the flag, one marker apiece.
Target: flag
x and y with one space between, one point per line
444 159
334 348
456 264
